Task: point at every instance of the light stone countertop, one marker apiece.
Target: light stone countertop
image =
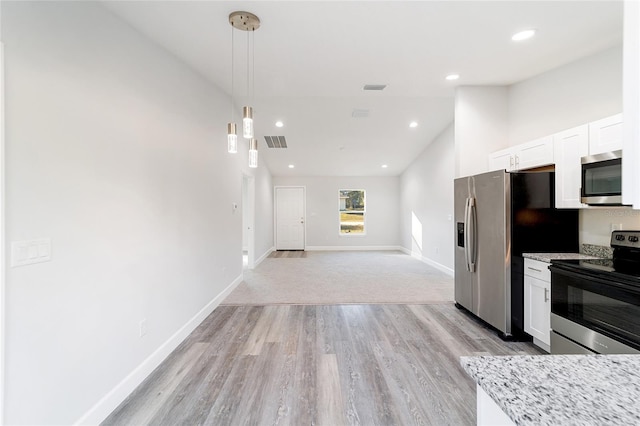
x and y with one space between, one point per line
548 257
561 389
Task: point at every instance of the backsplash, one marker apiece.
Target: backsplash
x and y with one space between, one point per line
596 224
598 251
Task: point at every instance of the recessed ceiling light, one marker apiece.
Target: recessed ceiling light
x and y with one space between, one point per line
523 35
279 124
413 124
384 166
291 166
452 77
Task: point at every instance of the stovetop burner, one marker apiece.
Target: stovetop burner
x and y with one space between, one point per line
625 263
606 266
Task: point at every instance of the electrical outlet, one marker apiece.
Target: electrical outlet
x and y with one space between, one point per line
143 327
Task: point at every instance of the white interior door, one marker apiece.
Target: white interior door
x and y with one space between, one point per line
290 218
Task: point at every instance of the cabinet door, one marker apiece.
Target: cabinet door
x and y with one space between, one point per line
537 308
534 154
501 160
605 135
569 146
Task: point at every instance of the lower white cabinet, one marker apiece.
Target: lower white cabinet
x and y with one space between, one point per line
488 411
537 302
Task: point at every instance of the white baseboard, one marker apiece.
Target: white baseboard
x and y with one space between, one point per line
101 410
264 256
428 261
352 248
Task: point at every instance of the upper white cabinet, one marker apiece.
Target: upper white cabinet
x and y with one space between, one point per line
503 159
605 135
564 149
569 146
536 153
631 104
528 155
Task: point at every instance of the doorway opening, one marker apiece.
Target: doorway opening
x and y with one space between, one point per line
248 219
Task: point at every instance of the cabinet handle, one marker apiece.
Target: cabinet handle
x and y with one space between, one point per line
534 269
546 294
510 162
517 161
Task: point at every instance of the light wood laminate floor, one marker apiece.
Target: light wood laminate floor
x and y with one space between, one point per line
319 365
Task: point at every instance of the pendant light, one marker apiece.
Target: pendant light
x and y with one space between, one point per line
248 22
247 122
253 153
232 138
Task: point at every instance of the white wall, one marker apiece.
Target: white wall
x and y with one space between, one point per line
322 224
426 203
263 226
116 152
481 126
568 96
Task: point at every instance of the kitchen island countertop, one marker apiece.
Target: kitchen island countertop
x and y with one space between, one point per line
548 257
561 389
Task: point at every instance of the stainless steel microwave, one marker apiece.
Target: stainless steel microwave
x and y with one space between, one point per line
602 179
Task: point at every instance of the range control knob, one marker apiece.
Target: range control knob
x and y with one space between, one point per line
633 239
620 237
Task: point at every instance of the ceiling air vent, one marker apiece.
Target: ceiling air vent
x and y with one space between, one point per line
275 141
374 87
360 113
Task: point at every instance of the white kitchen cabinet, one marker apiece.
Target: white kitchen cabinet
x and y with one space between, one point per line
536 153
528 155
489 412
605 135
503 159
631 104
569 146
537 302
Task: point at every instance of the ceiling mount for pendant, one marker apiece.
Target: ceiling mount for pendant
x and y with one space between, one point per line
244 21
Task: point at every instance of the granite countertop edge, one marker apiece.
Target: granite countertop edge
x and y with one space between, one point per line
560 389
548 257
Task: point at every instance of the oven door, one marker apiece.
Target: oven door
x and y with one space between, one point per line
598 304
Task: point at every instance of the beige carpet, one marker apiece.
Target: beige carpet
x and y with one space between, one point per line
342 277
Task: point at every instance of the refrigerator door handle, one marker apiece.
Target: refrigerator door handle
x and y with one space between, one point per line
466 233
472 235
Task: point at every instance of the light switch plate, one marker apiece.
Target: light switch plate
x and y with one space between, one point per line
30 252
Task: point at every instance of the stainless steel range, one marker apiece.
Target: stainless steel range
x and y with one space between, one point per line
595 304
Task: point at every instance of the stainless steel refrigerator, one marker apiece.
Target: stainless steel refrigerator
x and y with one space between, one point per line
499 216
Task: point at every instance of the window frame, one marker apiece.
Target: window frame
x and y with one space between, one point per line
364 214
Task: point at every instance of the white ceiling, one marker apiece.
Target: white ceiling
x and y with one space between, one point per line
313 57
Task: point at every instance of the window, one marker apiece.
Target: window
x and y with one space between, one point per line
352 210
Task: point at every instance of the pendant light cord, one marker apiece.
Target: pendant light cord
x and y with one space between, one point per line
253 67
232 62
248 66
